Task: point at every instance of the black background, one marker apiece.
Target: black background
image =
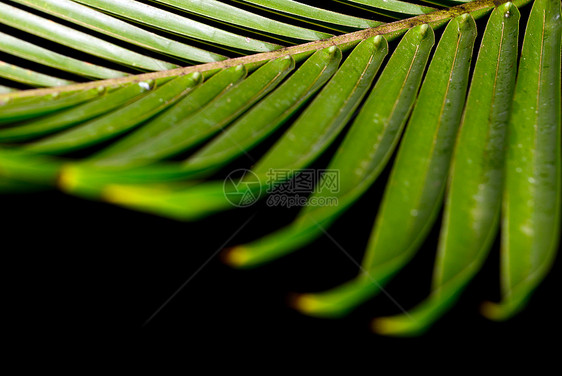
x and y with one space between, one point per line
87 272
81 273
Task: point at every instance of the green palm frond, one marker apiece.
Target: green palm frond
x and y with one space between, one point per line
150 105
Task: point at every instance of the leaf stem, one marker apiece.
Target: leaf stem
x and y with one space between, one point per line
390 30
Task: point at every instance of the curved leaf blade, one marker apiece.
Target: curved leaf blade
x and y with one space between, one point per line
15 112
414 191
392 6
29 77
362 154
532 194
65 118
312 13
241 18
322 120
100 22
117 122
269 114
49 58
210 119
78 40
172 22
118 154
473 199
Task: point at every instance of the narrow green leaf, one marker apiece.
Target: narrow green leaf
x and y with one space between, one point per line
88 180
363 153
42 96
304 11
168 21
392 6
92 19
10 113
241 18
417 181
29 77
117 122
330 111
300 52
57 121
217 85
531 216
269 114
311 133
185 202
66 36
49 58
208 120
473 200
260 121
22 167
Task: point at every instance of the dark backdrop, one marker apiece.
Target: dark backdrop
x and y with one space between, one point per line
87 272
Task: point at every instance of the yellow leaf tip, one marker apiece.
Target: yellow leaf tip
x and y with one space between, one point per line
117 194
304 303
498 311
68 178
397 326
489 310
383 326
236 256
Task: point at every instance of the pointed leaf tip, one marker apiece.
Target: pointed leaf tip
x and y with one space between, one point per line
304 303
115 194
499 311
400 326
312 304
236 256
67 178
492 311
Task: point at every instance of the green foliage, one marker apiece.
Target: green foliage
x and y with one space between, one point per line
475 127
